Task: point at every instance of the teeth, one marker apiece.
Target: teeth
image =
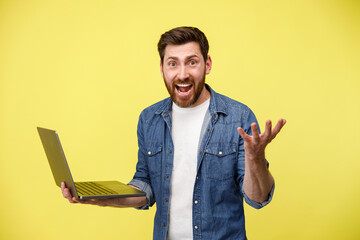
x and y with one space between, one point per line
183 85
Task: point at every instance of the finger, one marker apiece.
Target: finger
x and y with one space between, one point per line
63 188
68 196
75 200
243 134
255 132
87 201
277 128
66 193
267 132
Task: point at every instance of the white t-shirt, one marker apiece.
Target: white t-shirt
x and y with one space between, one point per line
186 128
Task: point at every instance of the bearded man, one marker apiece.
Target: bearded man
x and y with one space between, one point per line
200 154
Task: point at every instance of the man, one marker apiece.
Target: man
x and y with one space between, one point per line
200 153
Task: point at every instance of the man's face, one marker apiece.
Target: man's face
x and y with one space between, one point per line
184 70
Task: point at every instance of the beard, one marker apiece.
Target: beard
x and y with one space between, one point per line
192 98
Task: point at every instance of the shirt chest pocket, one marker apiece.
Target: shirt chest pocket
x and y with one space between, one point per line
220 161
153 154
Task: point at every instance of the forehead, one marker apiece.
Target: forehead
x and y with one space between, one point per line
182 50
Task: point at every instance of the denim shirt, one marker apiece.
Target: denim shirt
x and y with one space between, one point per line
218 211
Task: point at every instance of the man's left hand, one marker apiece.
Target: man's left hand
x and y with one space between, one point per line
255 145
258 181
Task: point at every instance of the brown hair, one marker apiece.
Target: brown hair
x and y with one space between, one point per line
182 35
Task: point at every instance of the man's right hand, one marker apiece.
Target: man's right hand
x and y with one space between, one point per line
113 202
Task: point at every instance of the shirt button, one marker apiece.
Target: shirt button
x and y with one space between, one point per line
149 153
220 153
200 153
196 201
166 176
197 177
164 224
170 151
208 129
166 200
196 227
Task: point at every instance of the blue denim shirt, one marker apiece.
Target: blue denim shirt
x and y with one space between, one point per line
218 211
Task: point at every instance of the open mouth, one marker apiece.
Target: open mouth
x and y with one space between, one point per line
183 89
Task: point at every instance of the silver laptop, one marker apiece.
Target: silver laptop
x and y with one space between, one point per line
80 190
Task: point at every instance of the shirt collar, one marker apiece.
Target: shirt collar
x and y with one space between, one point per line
217 104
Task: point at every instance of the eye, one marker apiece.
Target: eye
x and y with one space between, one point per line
192 62
172 64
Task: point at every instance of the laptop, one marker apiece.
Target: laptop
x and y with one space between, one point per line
81 190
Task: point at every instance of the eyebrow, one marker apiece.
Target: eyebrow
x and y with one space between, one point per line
188 57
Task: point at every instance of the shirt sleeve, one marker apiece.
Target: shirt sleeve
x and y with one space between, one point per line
145 187
141 178
256 204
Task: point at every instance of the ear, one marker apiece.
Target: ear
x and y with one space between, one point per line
208 65
161 69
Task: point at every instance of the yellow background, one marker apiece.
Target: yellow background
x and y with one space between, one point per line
88 68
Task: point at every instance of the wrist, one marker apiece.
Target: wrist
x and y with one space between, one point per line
256 160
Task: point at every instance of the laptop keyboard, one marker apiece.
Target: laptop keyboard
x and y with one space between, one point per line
92 189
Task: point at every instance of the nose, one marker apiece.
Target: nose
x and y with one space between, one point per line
183 73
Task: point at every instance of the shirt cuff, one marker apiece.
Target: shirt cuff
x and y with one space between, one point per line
257 205
145 187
